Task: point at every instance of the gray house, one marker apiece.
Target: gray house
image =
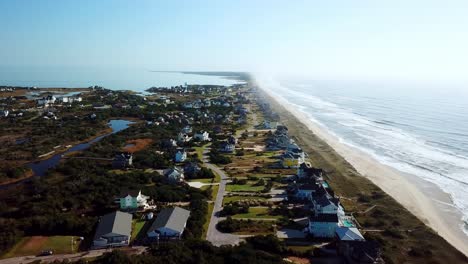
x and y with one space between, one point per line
114 230
170 223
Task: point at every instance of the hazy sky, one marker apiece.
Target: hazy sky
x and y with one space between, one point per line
409 39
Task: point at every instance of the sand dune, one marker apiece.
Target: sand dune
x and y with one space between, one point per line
424 200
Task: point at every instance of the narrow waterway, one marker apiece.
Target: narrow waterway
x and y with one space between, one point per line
41 167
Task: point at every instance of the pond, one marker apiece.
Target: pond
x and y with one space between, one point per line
41 167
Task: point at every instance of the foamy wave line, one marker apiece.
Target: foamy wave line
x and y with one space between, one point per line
449 184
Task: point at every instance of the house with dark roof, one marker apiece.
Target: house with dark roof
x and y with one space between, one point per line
174 174
122 161
227 147
305 191
113 230
170 223
323 225
326 204
191 169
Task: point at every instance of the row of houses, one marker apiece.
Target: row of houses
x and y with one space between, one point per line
51 99
327 219
114 229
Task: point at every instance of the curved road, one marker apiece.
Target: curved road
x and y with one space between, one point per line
213 235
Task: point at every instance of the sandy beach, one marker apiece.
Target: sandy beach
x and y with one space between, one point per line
425 200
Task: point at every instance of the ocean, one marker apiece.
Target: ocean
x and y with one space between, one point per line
416 128
135 79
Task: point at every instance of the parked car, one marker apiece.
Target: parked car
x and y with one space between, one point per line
46 253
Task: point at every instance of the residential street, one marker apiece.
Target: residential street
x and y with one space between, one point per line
214 235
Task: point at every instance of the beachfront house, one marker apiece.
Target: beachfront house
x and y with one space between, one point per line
291 160
305 192
169 224
122 161
202 136
113 230
348 234
323 225
132 200
174 174
180 156
325 204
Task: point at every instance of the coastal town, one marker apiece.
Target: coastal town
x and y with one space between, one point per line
92 174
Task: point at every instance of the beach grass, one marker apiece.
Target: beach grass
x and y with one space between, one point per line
229 199
243 188
257 213
404 238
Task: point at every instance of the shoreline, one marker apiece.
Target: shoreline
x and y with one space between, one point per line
405 189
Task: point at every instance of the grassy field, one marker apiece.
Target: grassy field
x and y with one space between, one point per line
228 199
201 180
243 188
137 225
208 219
257 213
36 244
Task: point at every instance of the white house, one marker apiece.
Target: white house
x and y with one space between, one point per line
70 99
132 200
174 174
182 137
170 223
50 99
323 225
325 204
181 155
202 136
5 113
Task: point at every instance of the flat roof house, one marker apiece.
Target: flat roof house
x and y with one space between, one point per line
170 223
114 230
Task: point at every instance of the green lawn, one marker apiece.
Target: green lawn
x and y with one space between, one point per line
36 244
137 225
257 213
243 188
228 199
201 180
208 219
214 191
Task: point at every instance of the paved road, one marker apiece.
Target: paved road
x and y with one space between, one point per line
61 257
213 235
